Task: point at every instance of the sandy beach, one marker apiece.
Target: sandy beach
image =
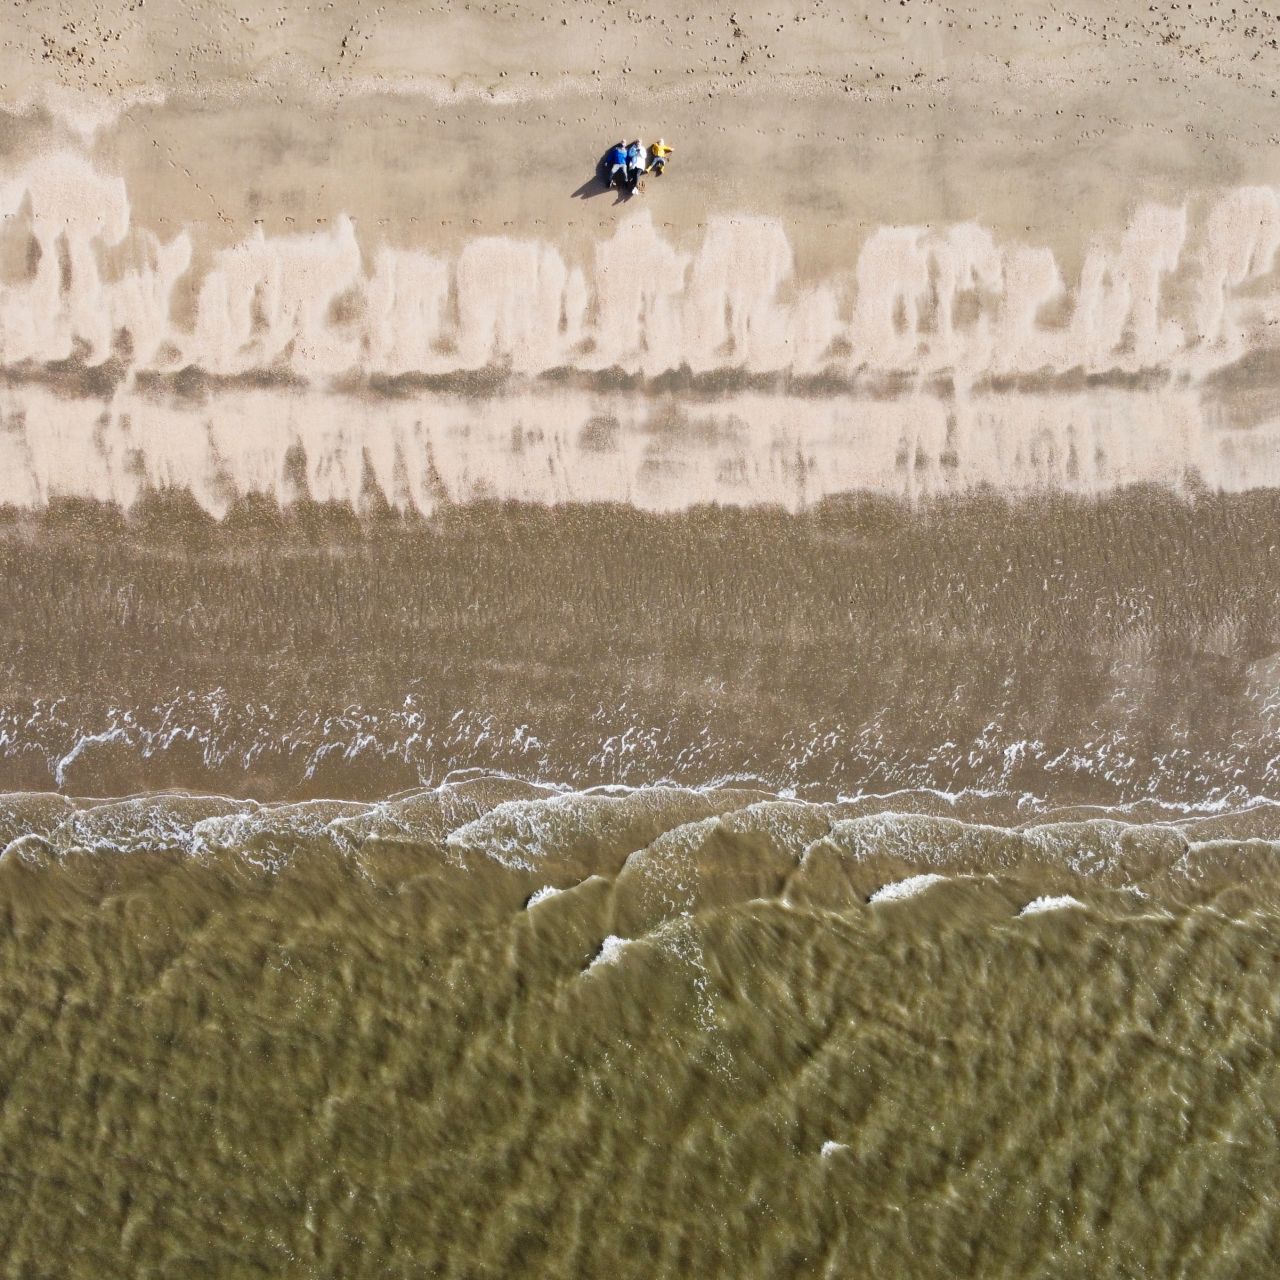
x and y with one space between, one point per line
1049 130
903 202
1048 123
344 266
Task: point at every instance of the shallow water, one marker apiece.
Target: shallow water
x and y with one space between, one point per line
492 1030
953 954
1105 649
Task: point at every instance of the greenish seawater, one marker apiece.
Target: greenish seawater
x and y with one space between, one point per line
493 1031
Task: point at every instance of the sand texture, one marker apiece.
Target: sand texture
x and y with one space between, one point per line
956 232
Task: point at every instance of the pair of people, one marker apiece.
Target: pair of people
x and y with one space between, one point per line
628 163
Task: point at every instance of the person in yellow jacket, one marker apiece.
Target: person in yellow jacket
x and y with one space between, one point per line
658 154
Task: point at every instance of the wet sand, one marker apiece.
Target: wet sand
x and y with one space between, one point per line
669 446
1107 648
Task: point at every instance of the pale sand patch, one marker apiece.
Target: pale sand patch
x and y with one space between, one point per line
657 452
958 192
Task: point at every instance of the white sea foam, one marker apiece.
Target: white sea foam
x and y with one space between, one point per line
541 895
664 877
517 834
1060 902
907 888
830 1148
25 848
610 952
83 743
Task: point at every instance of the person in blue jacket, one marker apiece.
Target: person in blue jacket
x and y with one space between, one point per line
617 163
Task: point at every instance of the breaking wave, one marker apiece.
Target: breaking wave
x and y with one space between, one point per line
663 851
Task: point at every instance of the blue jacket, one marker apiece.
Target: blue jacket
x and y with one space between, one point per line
618 155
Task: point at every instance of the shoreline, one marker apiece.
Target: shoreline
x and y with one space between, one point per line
523 842
866 643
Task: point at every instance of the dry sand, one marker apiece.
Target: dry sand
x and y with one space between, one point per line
894 168
894 201
431 124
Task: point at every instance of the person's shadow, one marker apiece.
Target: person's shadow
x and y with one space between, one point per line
600 184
